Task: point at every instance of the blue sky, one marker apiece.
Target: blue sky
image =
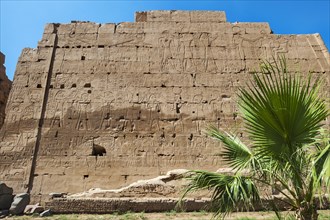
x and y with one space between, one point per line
22 22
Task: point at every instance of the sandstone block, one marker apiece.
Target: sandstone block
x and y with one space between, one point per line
107 29
50 28
207 16
77 40
66 28
86 27
180 16
28 55
5 86
47 40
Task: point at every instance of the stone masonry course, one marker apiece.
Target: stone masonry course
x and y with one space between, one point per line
105 105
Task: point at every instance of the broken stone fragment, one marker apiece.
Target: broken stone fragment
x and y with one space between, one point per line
20 202
46 213
57 195
32 209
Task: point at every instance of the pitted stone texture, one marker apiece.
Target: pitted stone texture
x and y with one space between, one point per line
181 16
169 185
122 205
144 91
5 85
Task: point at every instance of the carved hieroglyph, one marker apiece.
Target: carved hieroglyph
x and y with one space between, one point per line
5 85
142 91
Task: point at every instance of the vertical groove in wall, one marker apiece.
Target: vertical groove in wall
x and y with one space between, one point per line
43 111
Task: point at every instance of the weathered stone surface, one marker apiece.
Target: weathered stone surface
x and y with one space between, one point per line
181 16
144 91
5 85
46 213
20 202
169 185
122 205
32 209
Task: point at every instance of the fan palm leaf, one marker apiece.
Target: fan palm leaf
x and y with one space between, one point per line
228 190
282 113
235 152
283 116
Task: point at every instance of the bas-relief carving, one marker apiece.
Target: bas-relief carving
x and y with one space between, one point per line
143 93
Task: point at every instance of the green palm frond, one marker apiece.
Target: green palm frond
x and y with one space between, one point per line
322 160
283 117
229 192
282 112
235 153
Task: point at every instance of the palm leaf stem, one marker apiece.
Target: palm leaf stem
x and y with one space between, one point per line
291 201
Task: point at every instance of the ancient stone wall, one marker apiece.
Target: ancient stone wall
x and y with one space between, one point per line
5 85
123 205
142 91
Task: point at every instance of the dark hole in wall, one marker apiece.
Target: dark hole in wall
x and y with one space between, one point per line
87 85
89 91
39 86
177 108
51 86
86 176
82 57
98 150
74 85
62 86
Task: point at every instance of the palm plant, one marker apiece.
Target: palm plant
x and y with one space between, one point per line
283 117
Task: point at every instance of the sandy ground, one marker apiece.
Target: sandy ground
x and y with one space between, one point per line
324 215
